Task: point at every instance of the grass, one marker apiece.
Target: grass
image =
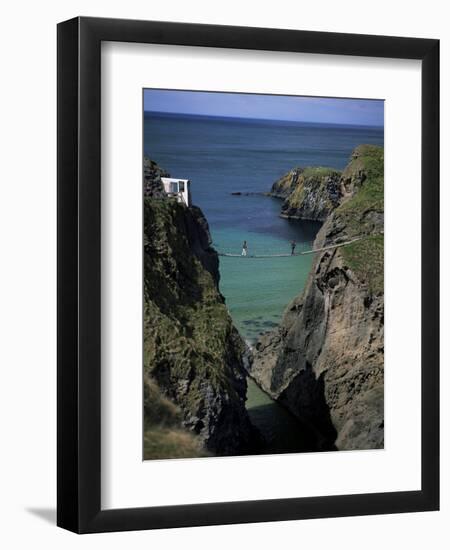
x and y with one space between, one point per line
366 172
161 442
366 259
360 214
164 435
319 172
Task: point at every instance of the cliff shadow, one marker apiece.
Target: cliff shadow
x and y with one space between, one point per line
305 397
281 431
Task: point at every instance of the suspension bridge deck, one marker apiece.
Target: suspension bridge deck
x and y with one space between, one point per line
287 255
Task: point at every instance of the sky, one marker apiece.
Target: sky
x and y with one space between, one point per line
358 112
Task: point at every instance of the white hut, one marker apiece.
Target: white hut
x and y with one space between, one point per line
177 188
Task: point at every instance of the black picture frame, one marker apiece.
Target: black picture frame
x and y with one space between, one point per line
79 281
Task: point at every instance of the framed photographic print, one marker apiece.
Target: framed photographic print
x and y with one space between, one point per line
248 237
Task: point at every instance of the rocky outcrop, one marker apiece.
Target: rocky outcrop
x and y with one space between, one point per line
308 193
153 173
325 362
193 354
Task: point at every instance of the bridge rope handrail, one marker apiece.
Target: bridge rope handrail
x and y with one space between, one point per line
287 255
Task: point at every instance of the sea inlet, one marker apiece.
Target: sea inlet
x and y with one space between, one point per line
222 156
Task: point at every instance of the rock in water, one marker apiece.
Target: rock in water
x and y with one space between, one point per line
308 193
325 361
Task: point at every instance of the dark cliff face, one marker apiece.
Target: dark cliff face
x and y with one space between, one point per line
325 361
193 355
308 193
153 173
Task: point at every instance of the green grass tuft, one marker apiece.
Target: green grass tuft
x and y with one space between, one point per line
164 435
366 174
319 172
366 259
363 215
161 442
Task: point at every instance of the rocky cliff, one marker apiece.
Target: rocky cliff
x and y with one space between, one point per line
195 383
325 362
308 193
153 173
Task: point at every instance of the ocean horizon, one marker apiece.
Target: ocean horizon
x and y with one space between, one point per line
171 114
225 155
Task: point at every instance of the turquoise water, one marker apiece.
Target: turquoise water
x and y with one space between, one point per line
258 289
221 156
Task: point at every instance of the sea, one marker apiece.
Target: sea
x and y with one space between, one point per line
222 156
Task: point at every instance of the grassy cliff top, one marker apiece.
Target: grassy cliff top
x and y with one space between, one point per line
362 214
364 175
319 172
366 259
296 178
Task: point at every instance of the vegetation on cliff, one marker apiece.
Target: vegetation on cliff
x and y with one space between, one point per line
325 361
309 193
362 215
195 380
164 434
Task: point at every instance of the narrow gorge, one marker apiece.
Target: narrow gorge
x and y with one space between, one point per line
325 361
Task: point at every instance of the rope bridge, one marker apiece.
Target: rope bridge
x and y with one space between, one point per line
307 245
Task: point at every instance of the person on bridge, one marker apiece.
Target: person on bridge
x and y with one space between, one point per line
244 248
293 245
